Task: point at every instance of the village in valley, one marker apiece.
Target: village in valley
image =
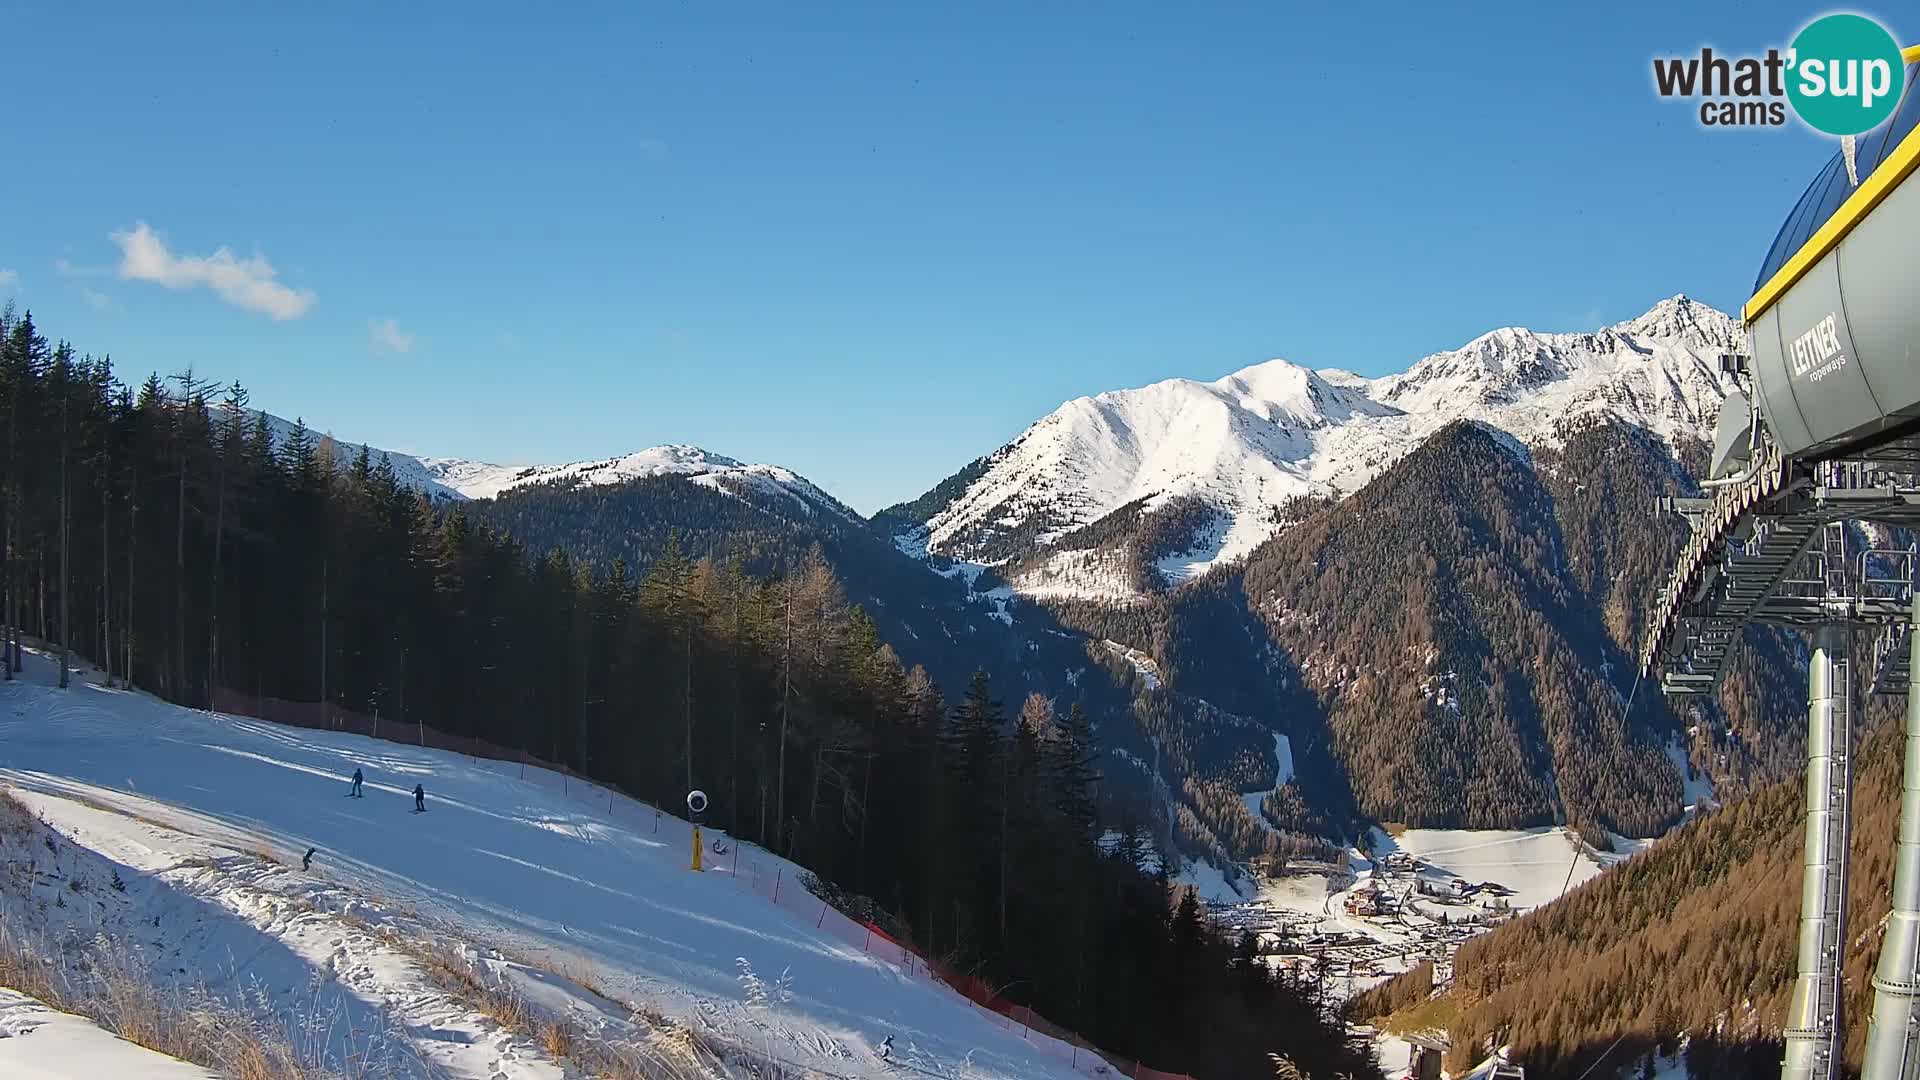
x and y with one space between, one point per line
1411 896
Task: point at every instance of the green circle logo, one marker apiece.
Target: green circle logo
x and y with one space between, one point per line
1846 74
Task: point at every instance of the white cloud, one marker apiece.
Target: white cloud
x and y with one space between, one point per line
96 299
388 337
8 278
247 283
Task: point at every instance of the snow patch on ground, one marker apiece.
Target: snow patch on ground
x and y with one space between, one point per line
40 1043
1696 786
1199 557
1535 863
1283 761
1211 884
1142 664
1082 574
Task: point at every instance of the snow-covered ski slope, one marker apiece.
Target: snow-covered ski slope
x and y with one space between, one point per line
566 877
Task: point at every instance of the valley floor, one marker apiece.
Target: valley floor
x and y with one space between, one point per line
1355 952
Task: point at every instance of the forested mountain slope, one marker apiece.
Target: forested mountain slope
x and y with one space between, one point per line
1436 617
1695 936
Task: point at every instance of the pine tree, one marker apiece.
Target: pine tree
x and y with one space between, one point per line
1072 761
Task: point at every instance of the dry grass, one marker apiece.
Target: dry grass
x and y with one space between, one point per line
457 977
265 854
1435 1014
16 821
109 987
586 979
672 1052
558 1040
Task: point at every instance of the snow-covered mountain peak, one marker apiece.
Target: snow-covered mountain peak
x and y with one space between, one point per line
1659 370
478 480
1240 446
1286 393
1682 317
780 485
462 478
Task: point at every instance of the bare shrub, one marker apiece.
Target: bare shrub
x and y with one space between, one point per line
671 1052
16 821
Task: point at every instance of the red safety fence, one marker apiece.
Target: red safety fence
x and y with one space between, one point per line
764 874
1082 1055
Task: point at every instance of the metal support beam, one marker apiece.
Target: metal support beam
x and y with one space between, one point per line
1813 1019
1893 1035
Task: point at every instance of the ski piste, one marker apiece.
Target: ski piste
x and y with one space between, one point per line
154 783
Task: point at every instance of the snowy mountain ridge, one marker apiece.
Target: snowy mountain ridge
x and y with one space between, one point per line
1244 444
462 479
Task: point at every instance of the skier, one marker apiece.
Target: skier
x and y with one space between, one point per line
419 798
886 1049
306 861
354 792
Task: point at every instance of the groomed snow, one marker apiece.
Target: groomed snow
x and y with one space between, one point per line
534 866
40 1043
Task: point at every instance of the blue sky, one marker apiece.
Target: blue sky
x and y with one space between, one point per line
870 242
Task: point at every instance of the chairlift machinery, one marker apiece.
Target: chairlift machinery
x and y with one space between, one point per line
1824 436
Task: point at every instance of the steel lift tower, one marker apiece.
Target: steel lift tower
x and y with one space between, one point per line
1814 463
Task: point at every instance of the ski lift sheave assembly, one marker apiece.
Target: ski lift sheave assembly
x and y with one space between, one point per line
1821 436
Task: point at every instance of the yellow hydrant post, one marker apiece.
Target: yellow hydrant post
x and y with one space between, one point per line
696 848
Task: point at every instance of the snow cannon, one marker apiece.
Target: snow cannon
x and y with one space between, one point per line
1834 316
696 813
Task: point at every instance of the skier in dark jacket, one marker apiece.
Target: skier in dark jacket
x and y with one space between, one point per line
419 798
306 861
355 791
